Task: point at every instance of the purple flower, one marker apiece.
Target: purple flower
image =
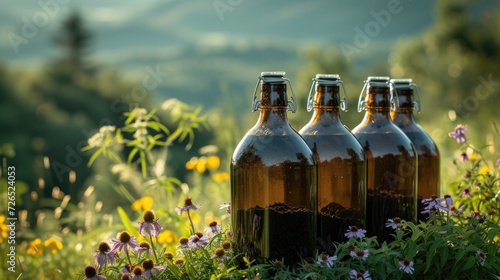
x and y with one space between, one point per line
406 266
104 254
197 240
360 254
150 268
393 223
466 193
91 274
355 232
213 228
149 225
459 133
227 206
498 162
481 257
325 259
464 157
124 241
188 205
144 246
359 275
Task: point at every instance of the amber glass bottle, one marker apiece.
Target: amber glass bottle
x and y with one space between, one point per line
341 162
427 151
273 182
391 160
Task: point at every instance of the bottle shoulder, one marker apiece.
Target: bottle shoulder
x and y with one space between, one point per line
387 139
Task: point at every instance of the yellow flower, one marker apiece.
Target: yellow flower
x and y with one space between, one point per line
213 162
496 239
220 177
191 164
53 245
143 204
35 248
167 237
201 165
484 170
4 230
473 157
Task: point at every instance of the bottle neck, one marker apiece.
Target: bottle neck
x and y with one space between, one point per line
378 104
273 103
404 114
326 103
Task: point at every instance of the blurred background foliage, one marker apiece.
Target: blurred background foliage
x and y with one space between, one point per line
54 98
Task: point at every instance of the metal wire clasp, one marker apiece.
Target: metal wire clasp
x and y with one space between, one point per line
408 83
277 76
326 79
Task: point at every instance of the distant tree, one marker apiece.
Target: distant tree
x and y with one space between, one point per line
74 40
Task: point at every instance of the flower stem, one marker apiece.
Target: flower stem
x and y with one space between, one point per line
191 222
128 257
153 247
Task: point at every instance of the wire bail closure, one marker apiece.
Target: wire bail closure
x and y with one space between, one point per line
276 76
327 79
378 81
408 83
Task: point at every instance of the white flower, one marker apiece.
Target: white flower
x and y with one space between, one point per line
325 259
406 266
360 254
359 275
355 232
393 223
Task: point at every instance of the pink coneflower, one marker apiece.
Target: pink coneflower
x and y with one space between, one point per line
226 206
91 274
124 241
360 254
393 223
355 232
150 268
466 193
104 254
481 257
213 228
149 225
432 204
197 240
144 246
188 205
464 157
406 266
326 260
359 275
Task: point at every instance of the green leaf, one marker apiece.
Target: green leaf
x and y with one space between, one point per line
127 223
132 154
95 155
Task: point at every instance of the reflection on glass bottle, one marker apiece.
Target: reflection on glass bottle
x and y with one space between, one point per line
341 163
427 151
391 160
273 182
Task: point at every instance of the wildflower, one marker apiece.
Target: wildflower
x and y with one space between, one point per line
432 204
449 201
149 225
360 254
144 203
481 256
464 157
473 157
221 177
226 245
183 242
197 240
168 255
406 266
498 162
213 162
351 247
124 241
127 268
226 206
91 274
126 276
4 230
213 228
188 205
137 273
53 245
150 268
393 223
220 254
179 261
355 232
485 170
459 133
104 254
454 210
167 237
103 136
325 259
496 239
35 248
359 275
144 246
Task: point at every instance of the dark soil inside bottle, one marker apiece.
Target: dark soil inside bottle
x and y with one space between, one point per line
333 221
276 232
384 205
